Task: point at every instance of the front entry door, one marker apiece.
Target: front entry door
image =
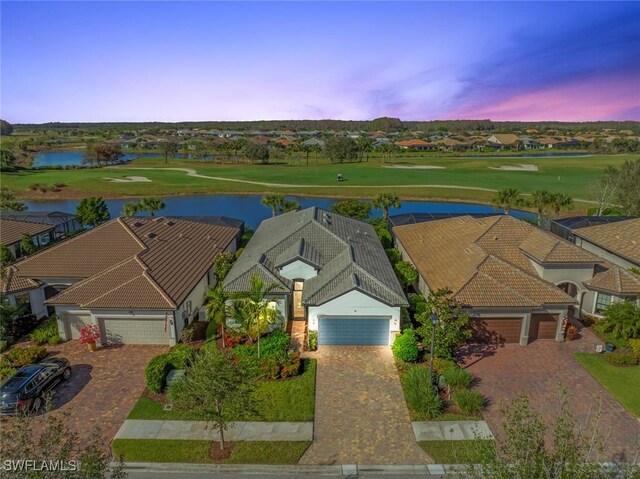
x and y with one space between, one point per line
298 308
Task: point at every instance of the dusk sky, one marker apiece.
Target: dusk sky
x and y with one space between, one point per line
189 61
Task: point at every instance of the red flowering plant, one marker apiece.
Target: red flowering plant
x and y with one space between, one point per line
89 335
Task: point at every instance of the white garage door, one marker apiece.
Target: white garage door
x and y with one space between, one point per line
74 322
135 331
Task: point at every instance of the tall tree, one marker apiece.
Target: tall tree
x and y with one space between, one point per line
452 329
279 204
9 201
5 128
507 199
253 309
130 209
365 145
257 153
92 211
628 186
236 145
168 148
102 152
151 205
604 190
26 245
7 160
215 389
358 210
6 256
340 149
385 201
548 204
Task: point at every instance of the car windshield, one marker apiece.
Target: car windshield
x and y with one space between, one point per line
13 384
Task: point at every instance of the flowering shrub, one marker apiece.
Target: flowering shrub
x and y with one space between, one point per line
89 335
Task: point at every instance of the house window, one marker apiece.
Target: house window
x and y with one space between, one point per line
24 301
602 301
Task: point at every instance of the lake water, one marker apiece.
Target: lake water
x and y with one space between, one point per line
249 208
75 158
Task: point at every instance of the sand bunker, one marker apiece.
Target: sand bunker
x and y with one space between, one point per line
415 167
521 167
129 179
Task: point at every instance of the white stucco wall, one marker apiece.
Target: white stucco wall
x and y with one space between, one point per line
355 303
615 259
298 270
196 296
36 299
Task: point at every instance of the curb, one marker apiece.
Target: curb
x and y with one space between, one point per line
295 469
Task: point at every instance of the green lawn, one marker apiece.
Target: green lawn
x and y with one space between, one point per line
169 450
288 400
572 175
455 452
622 382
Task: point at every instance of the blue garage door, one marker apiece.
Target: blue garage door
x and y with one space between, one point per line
353 331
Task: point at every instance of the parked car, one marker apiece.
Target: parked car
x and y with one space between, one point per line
24 390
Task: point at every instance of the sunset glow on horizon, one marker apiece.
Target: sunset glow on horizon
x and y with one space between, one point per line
197 61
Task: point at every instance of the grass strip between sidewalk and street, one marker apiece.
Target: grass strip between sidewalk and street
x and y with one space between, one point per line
199 452
455 452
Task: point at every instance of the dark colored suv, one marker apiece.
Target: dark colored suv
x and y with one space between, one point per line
24 390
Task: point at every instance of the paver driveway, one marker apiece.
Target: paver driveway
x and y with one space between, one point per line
104 386
537 370
361 416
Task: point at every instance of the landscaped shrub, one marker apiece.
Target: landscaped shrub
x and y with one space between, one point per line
405 319
441 365
181 355
416 300
469 402
405 346
621 358
18 357
188 334
47 332
634 344
289 364
422 397
313 340
214 325
275 343
6 371
156 372
457 379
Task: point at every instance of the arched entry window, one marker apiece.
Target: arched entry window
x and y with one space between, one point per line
570 288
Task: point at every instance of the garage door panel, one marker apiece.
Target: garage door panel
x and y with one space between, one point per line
353 331
496 330
135 331
543 326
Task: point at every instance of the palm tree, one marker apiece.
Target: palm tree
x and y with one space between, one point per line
507 199
151 205
130 209
168 148
216 301
386 201
365 144
253 310
273 201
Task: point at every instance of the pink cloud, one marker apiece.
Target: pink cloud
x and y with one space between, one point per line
590 100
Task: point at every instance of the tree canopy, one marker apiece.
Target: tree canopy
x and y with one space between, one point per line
9 201
359 210
92 211
340 149
5 128
385 201
257 153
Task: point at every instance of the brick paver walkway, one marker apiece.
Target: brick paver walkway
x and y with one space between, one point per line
104 386
537 370
361 416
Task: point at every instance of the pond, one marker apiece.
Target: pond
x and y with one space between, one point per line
75 158
249 208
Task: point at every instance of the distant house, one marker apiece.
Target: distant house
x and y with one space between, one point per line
529 143
503 140
139 280
12 231
517 281
548 142
330 273
65 223
313 142
416 144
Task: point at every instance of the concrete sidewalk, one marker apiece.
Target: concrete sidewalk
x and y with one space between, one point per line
238 431
451 430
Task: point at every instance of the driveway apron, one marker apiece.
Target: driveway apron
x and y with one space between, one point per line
361 416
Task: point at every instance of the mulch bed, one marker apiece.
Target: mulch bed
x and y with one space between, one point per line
218 454
156 397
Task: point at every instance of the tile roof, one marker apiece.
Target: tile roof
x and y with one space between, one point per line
483 261
621 237
142 263
347 252
615 280
11 230
412 142
12 283
505 138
